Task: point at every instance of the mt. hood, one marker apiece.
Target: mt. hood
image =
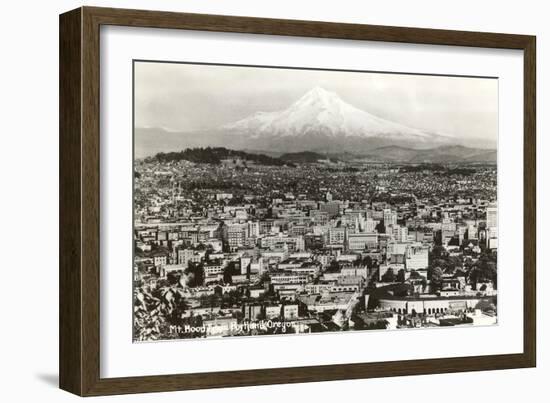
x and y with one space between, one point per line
321 120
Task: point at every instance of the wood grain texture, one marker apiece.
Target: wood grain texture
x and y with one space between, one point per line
80 200
70 186
317 29
530 202
90 202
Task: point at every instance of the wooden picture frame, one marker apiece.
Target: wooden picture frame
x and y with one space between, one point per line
79 347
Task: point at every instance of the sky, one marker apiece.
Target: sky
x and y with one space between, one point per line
188 97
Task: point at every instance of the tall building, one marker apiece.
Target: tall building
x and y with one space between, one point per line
362 241
390 218
293 244
234 235
336 236
401 234
492 227
332 208
472 231
416 258
461 230
185 256
492 217
258 267
244 263
266 226
253 229
319 217
370 225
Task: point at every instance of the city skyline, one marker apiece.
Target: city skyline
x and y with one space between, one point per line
316 217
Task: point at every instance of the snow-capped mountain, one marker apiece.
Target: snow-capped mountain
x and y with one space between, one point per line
320 121
321 114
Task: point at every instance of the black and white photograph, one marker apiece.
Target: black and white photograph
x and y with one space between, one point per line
270 200
245 201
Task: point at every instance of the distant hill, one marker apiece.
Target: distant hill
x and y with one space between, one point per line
489 156
215 155
437 155
303 157
389 154
392 154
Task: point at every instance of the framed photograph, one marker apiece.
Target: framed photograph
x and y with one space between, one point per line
249 201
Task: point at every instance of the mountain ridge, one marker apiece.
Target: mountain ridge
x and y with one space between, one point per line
440 154
319 121
215 156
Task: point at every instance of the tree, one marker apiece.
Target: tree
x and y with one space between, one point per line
474 276
441 263
438 252
389 276
485 270
265 277
173 278
334 266
148 321
228 272
468 263
436 274
424 283
231 298
196 274
368 262
401 276
491 272
179 306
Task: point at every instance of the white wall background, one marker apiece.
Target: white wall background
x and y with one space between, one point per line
29 197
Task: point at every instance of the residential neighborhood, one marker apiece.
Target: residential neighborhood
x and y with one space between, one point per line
243 247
